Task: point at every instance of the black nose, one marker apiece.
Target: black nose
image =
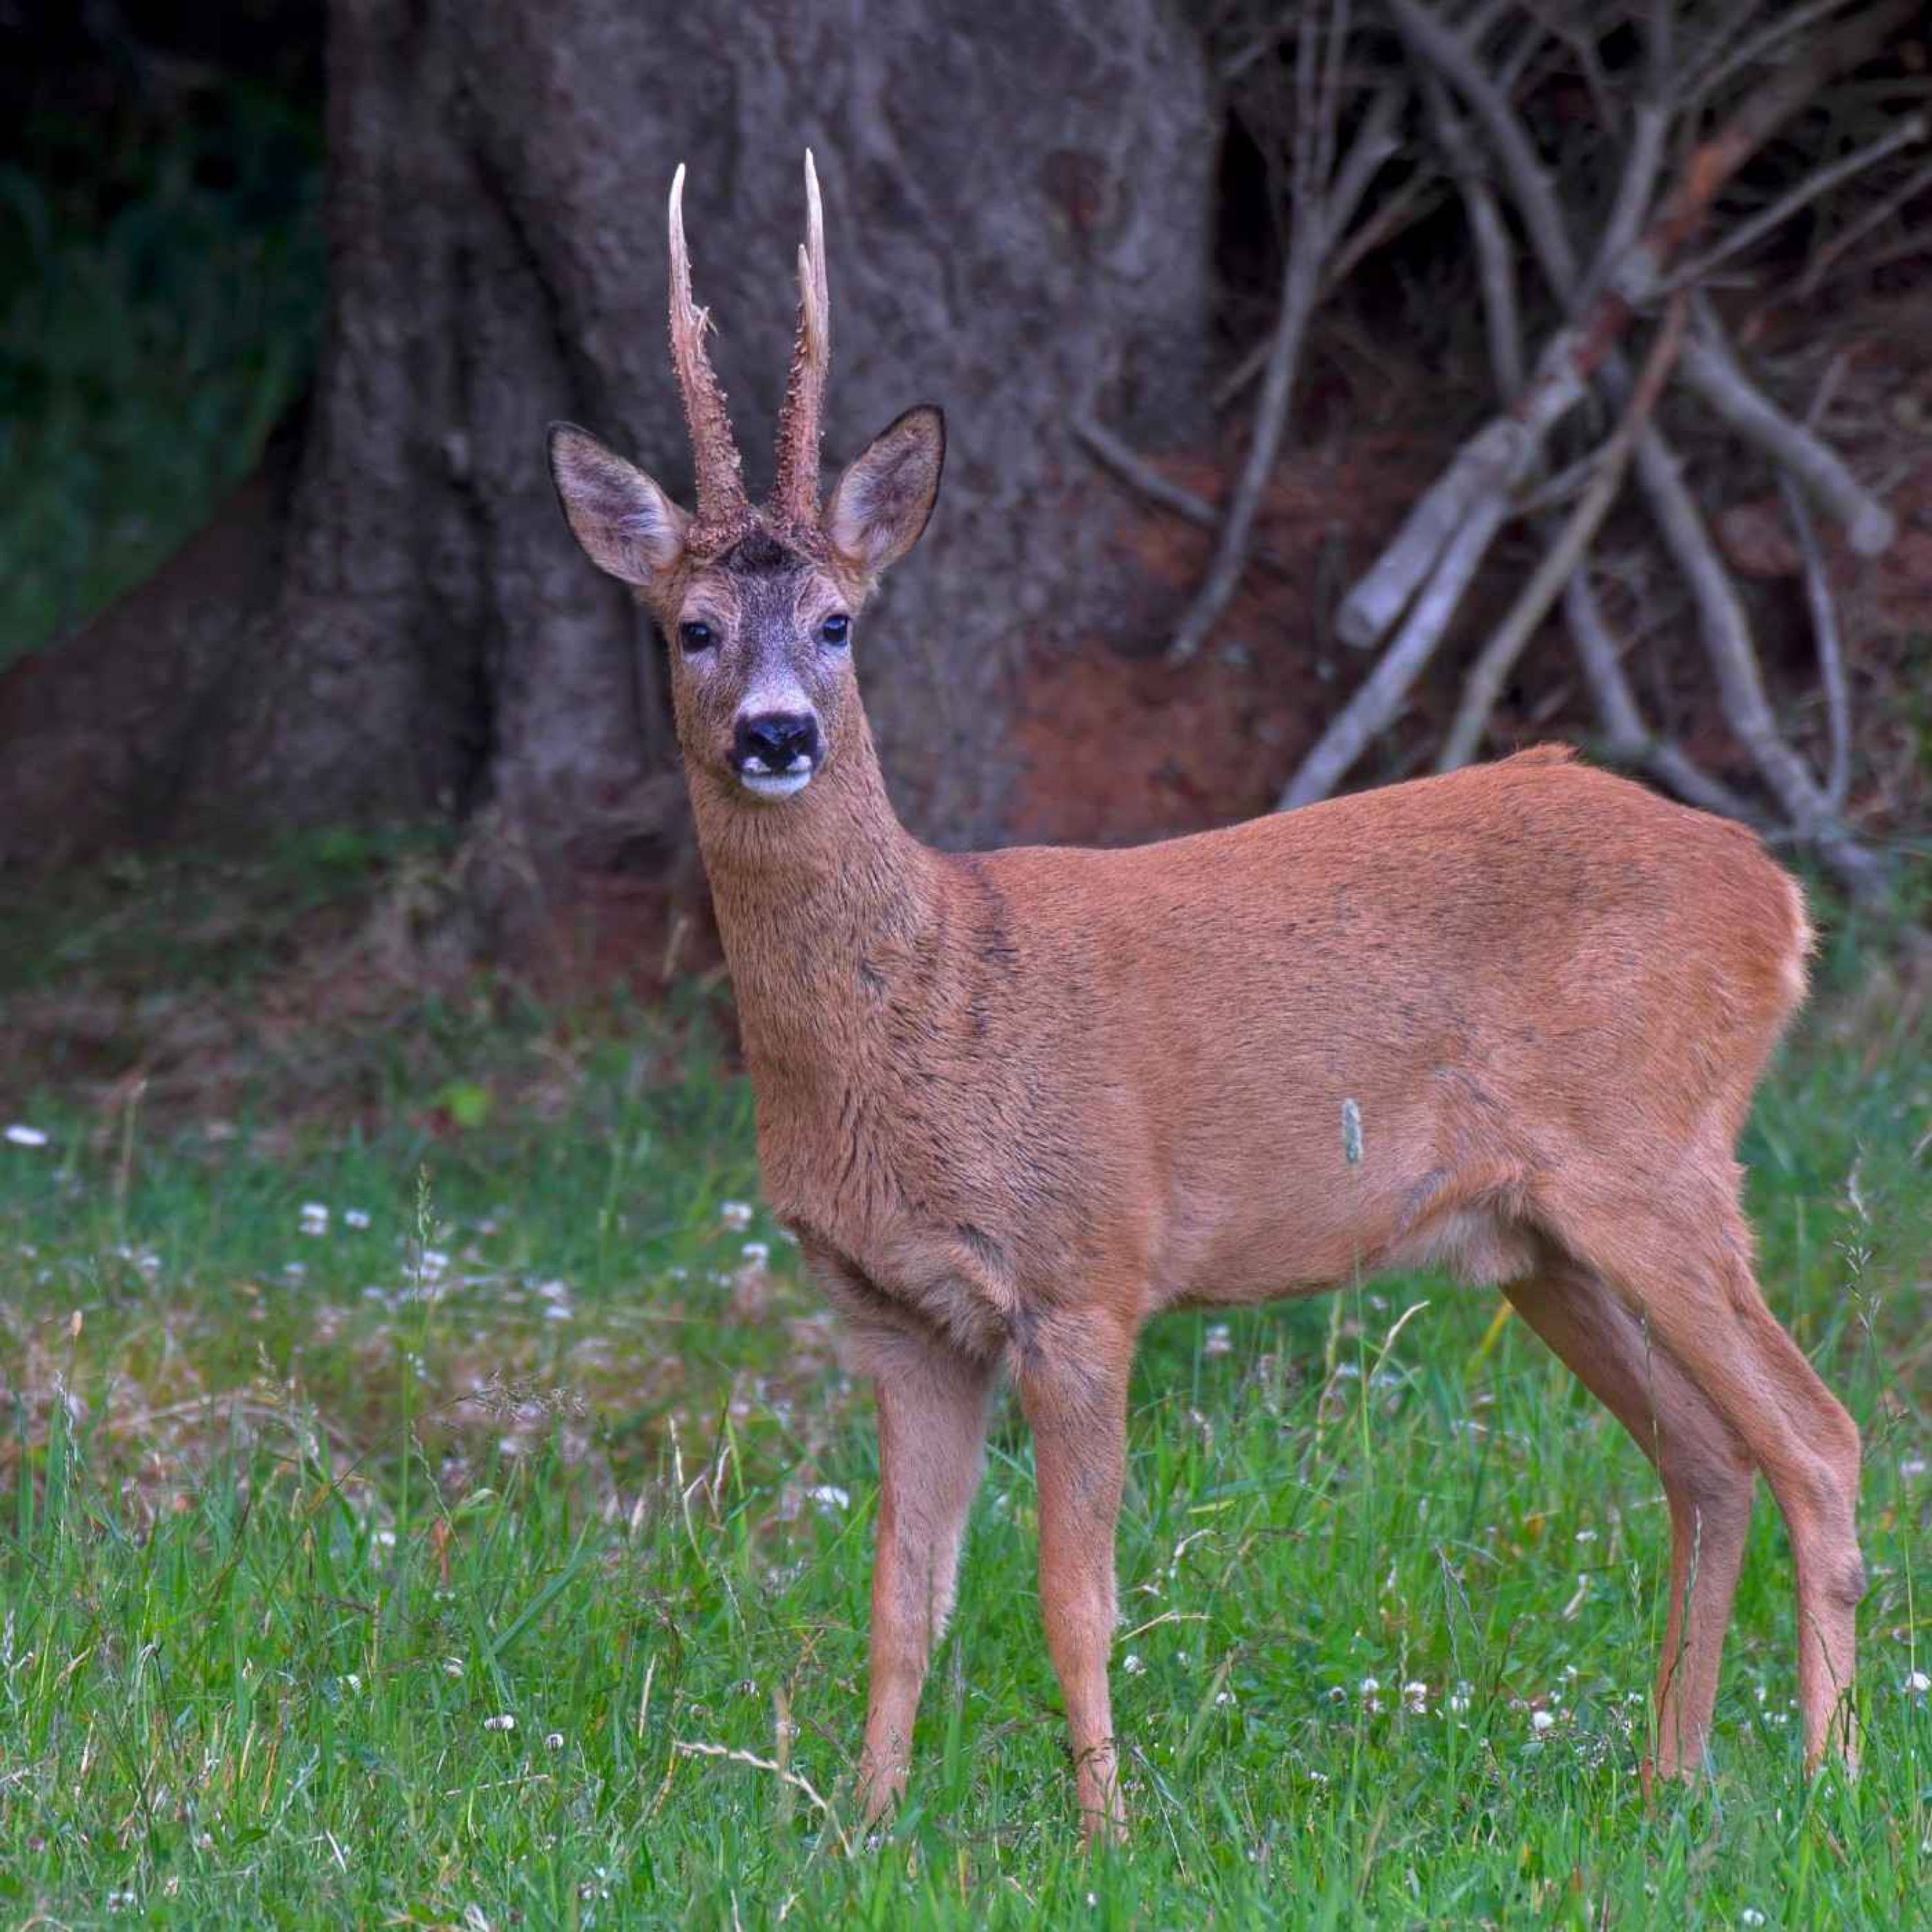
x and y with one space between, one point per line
776 738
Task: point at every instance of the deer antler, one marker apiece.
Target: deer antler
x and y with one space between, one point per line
795 494
720 482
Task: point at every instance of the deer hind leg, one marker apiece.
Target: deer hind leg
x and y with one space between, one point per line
1690 1281
931 1404
1708 1478
1071 1372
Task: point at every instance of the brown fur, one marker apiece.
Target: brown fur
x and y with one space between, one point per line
1016 1103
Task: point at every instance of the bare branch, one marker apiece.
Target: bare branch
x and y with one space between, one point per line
1650 129
1320 216
1830 650
1417 196
1726 630
1379 698
1582 44
1628 740
1441 47
1911 129
1905 249
1496 257
1485 682
1552 492
1712 370
1134 470
1127 464
1762 112
1787 23
1716 43
1873 218
1487 468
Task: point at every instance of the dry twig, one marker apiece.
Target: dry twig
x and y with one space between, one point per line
798 1782
1711 366
1830 649
1326 196
1484 683
1134 470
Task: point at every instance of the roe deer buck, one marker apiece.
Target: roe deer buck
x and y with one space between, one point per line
1015 1103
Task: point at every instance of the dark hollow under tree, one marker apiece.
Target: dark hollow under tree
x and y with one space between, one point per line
390 619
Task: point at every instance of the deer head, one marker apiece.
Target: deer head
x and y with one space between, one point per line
758 603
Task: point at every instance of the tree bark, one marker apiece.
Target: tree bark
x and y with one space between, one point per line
393 620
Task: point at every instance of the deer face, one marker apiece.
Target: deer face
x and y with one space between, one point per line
760 618
758 605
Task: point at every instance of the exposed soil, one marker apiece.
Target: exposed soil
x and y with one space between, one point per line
1115 746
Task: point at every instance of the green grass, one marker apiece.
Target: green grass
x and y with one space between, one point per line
290 1521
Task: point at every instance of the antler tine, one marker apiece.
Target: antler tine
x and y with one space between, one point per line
720 483
796 492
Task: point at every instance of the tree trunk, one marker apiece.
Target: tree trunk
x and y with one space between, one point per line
393 620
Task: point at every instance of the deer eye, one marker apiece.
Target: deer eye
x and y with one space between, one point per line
836 629
695 637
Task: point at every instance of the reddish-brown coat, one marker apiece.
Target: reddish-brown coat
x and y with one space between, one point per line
1016 1103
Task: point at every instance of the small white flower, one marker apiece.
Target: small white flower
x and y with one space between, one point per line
1336 1695
452 1666
23 1135
434 1261
351 1683
1540 1721
385 1539
1912 1465
735 1215
1917 1683
1219 1341
314 1217
1750 1915
757 1252
1586 1536
554 1741
1224 1697
830 1498
355 1217
1416 1697
294 1270
1132 1665
504 1722
1369 1686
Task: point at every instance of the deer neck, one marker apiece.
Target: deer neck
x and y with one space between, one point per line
809 895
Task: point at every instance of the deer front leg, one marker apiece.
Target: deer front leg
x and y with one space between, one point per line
1073 1380
932 1429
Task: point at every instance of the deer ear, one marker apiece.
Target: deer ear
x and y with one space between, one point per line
883 501
625 524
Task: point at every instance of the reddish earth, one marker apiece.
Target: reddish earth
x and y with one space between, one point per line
1117 746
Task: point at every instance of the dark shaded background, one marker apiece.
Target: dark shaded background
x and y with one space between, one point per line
278 555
